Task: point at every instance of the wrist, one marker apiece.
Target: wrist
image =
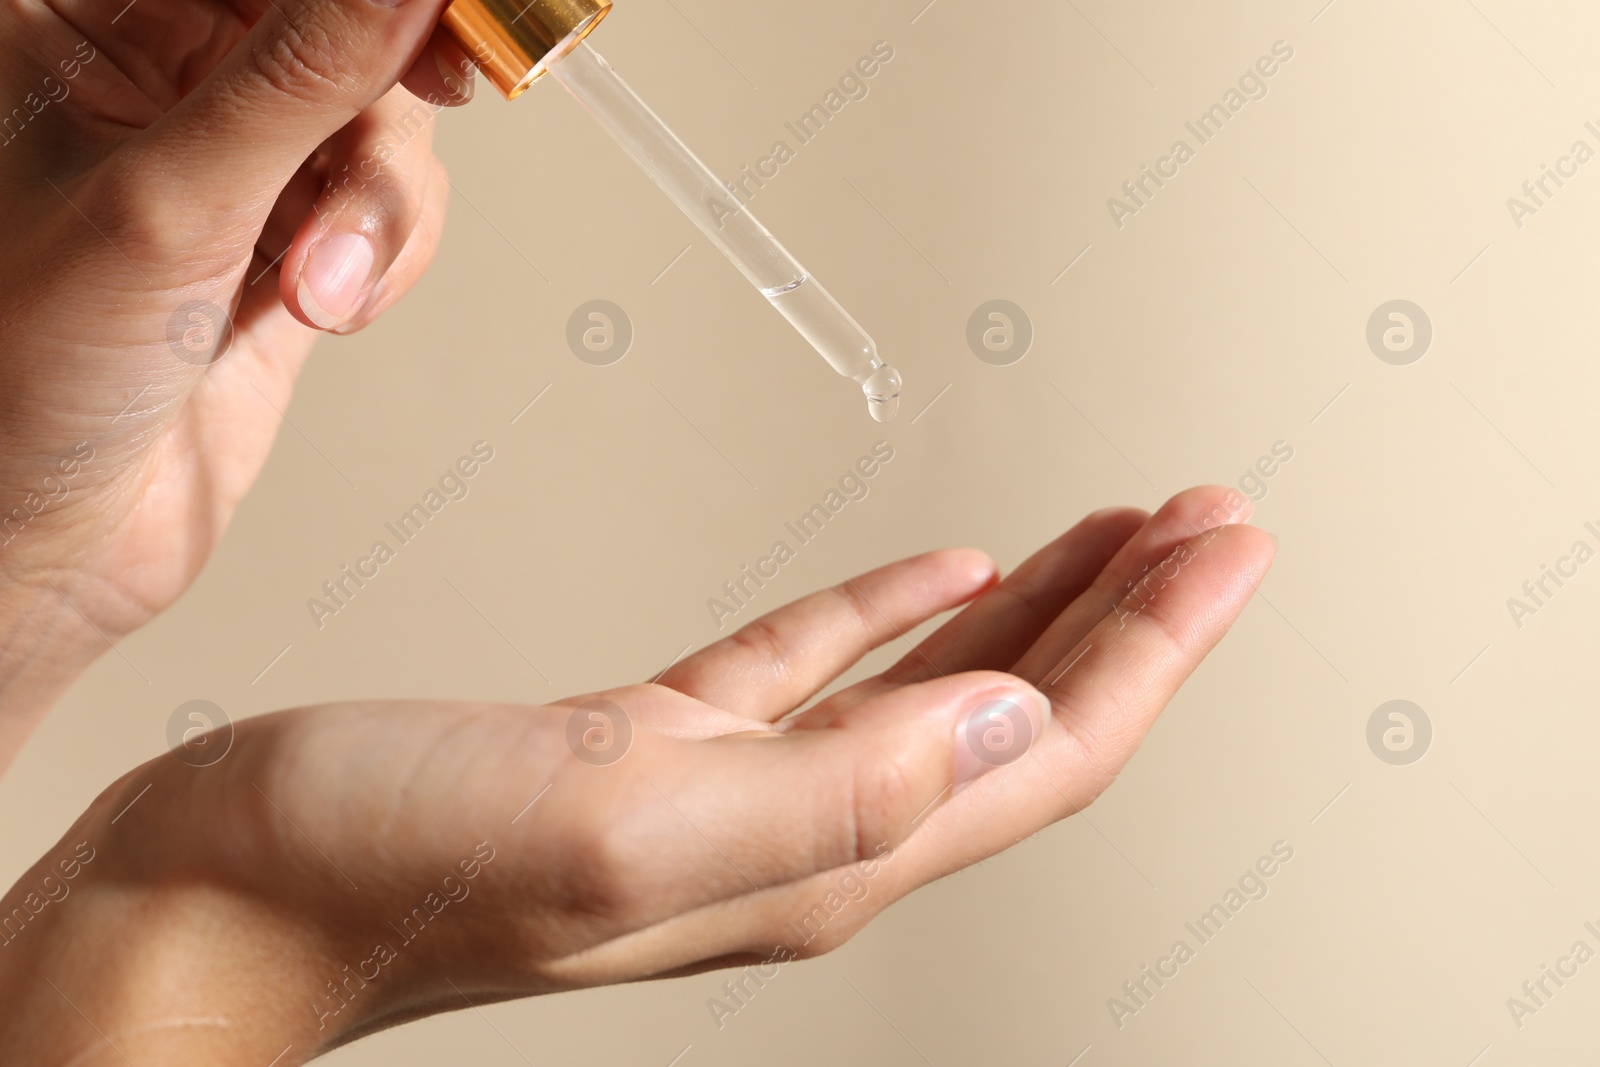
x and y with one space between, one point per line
167 927
97 967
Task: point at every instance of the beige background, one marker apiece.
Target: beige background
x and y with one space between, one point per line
1221 319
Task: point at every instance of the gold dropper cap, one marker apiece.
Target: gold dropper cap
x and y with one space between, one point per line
514 41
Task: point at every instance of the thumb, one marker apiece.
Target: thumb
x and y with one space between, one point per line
866 780
304 71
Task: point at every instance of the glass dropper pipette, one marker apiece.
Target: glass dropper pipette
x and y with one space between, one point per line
515 44
730 226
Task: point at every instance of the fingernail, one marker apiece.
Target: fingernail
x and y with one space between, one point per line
332 280
459 81
359 320
998 732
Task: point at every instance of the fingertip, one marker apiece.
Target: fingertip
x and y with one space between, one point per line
375 223
368 309
415 254
1115 522
1206 507
1230 562
945 576
972 568
1255 548
1115 514
330 280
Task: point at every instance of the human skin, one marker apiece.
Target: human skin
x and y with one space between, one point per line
192 154
166 166
222 909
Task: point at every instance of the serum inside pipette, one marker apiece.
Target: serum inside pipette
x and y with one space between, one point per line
840 340
729 225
